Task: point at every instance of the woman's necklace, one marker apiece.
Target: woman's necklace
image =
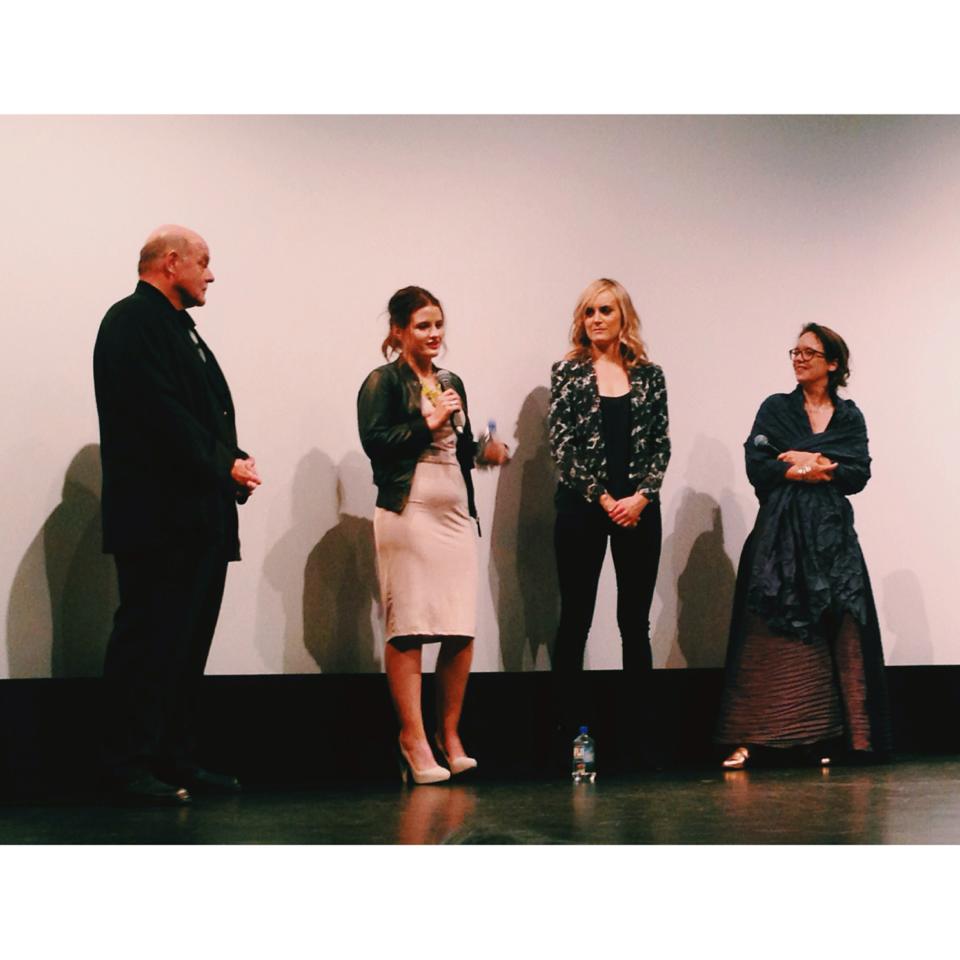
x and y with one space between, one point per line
431 391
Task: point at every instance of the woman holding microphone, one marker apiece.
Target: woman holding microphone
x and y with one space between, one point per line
414 428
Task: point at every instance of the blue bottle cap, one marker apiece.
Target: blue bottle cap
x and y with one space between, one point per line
583 729
491 425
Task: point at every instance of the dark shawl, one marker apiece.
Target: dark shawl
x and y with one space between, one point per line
806 567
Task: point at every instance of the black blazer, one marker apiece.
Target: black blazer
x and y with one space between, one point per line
168 435
393 433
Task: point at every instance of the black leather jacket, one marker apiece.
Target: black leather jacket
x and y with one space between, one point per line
393 432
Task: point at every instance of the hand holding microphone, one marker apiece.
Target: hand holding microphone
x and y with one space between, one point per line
446 406
449 405
805 465
451 401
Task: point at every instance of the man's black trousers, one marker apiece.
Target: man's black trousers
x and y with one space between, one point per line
169 603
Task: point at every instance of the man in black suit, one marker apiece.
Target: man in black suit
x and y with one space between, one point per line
172 477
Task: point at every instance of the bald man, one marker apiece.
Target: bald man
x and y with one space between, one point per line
172 478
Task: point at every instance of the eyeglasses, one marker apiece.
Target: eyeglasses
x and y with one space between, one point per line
804 353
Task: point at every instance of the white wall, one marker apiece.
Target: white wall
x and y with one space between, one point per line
730 233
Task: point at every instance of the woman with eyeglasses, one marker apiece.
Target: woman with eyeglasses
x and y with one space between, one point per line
804 662
608 436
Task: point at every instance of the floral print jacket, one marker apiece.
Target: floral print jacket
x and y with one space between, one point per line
576 434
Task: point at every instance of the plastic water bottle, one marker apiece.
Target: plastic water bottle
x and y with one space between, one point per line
584 768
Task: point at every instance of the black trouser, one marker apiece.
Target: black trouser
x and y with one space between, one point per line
580 541
169 603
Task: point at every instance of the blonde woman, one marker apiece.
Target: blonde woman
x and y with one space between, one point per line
608 436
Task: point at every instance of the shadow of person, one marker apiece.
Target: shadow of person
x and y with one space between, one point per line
64 592
905 616
522 570
704 589
340 588
697 575
313 512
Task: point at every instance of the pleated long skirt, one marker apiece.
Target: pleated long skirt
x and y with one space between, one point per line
783 692
427 558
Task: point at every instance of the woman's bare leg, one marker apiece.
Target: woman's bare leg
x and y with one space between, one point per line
403 666
453 670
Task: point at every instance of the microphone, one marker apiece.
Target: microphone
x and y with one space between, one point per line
458 420
761 442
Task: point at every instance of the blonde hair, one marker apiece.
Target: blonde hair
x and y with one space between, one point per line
632 349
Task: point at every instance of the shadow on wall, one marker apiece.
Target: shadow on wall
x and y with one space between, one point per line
340 589
313 512
522 570
64 592
697 577
905 619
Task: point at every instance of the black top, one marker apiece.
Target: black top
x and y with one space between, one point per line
615 414
168 437
615 423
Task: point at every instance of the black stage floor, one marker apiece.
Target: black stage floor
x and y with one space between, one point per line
914 800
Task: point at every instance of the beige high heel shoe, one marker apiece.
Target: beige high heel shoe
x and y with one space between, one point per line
737 760
460 765
434 774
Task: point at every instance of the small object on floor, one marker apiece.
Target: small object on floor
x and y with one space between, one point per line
584 765
817 754
146 788
434 774
458 766
737 760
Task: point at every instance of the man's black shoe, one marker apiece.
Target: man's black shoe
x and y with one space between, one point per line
206 781
148 789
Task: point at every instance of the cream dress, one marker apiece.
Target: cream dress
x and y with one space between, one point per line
427 555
